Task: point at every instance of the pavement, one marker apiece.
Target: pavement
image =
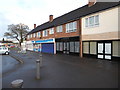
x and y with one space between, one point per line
62 71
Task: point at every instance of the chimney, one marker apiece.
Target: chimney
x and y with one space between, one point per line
50 18
91 2
34 26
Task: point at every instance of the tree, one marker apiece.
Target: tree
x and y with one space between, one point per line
18 32
3 40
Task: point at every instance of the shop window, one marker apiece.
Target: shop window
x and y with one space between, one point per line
57 46
86 47
61 46
116 48
77 47
93 47
72 47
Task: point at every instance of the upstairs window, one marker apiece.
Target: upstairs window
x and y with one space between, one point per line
45 33
71 27
31 35
34 35
92 21
38 34
59 28
86 22
51 31
28 36
97 20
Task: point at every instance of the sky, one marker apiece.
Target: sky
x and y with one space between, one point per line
30 12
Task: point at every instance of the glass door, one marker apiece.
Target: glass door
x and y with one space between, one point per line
66 47
105 51
108 51
101 50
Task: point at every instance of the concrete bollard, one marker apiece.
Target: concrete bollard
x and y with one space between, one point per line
17 83
38 69
40 60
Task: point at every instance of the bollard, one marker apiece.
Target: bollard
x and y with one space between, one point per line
38 69
40 60
17 83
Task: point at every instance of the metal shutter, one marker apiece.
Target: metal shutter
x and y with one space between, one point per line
48 48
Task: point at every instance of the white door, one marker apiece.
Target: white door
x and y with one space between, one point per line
108 51
104 51
100 50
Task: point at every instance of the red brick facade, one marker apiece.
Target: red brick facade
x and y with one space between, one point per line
58 34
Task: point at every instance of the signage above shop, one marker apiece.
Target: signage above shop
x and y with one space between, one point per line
45 41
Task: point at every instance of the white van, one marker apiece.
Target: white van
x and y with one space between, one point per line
4 50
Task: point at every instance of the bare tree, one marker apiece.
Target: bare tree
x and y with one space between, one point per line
18 32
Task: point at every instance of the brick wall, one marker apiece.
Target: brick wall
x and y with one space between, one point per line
60 34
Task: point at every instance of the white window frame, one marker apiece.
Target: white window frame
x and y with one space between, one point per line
51 31
71 27
38 34
86 22
97 20
59 28
31 35
92 21
34 35
28 36
75 25
45 33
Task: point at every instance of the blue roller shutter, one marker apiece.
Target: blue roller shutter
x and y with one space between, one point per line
48 48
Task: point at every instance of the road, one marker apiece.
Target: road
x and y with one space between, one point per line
60 71
8 64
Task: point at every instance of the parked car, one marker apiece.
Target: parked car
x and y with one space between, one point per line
4 50
12 46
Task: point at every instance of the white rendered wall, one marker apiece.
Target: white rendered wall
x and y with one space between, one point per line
108 22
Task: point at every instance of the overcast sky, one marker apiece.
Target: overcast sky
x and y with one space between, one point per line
31 12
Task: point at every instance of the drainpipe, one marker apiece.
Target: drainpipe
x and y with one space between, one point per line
80 34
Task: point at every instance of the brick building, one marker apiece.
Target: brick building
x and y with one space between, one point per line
86 31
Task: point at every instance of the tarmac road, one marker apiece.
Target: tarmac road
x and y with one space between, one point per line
8 64
61 71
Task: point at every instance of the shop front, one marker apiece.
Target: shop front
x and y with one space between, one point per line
69 45
45 46
104 50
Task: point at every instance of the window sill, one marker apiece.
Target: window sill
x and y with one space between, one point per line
71 32
44 36
51 34
59 32
93 26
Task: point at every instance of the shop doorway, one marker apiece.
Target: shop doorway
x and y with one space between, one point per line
66 48
105 50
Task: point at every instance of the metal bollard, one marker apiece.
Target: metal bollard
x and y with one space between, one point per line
40 60
17 83
38 69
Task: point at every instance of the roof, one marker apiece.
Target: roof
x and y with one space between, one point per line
76 14
6 42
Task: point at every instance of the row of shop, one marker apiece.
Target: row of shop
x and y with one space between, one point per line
97 49
53 46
